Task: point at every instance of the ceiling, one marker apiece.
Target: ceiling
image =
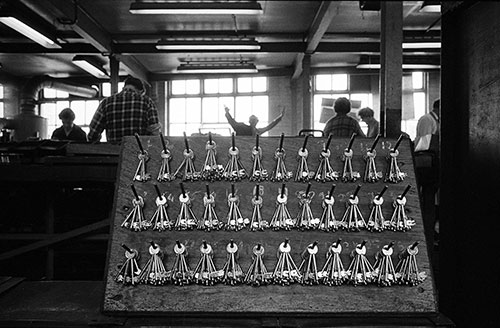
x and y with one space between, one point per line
335 33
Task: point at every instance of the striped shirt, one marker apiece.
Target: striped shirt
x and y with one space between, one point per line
124 114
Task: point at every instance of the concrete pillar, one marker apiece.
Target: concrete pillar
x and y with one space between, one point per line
114 65
391 71
305 78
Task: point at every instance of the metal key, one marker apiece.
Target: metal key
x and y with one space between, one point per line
129 271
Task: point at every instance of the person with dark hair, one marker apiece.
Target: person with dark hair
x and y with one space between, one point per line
428 130
125 113
242 129
68 130
342 125
366 115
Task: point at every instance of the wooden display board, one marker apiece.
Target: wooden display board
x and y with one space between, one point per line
270 299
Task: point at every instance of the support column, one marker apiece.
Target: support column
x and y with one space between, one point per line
115 76
306 92
391 70
294 109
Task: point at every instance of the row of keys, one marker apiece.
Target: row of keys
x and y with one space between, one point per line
234 170
359 272
351 220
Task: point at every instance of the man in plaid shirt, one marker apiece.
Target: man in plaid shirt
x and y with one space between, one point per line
125 113
342 125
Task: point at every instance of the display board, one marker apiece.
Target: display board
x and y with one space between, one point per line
281 298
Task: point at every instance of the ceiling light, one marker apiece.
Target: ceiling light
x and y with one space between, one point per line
28 31
409 62
90 65
217 68
421 45
197 8
431 7
203 45
405 66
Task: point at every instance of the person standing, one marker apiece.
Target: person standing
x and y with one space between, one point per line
427 170
428 130
342 125
366 115
68 130
242 129
125 113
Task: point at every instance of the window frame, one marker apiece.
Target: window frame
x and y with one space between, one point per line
340 93
204 95
70 98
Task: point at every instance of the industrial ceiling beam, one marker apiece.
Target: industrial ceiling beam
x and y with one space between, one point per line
327 10
87 28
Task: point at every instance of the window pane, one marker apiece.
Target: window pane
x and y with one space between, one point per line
192 128
1 110
78 107
225 101
178 87
192 87
317 109
225 85
417 80
364 100
1 91
243 109
49 93
210 112
221 129
120 87
61 94
48 110
60 105
193 110
261 109
245 84
90 108
177 129
323 82
419 104
410 127
211 86
106 89
177 110
259 84
339 82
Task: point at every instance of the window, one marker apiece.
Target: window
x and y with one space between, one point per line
106 88
333 86
53 101
414 102
197 106
1 102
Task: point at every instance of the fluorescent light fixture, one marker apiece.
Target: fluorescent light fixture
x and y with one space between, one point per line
90 65
405 66
409 62
203 45
431 7
197 8
29 32
421 45
217 68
